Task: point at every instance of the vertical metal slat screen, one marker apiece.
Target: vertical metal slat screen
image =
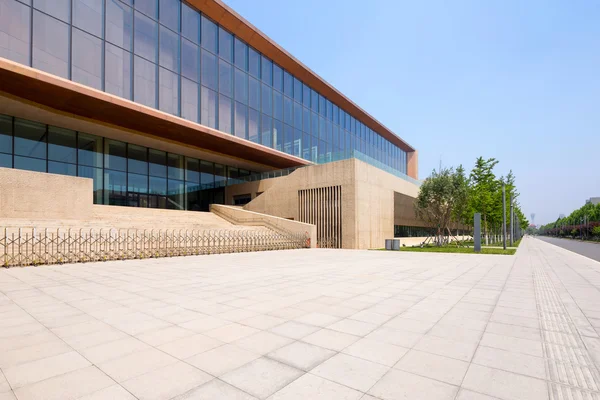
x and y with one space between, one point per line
323 207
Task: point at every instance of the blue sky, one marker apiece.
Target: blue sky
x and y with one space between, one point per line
511 79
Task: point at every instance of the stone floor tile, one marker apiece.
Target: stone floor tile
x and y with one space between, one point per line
166 382
189 346
91 339
434 366
294 330
332 340
351 371
353 327
301 355
135 364
7 396
114 349
395 337
313 387
262 377
30 339
410 325
231 333
317 319
516 345
376 351
32 353
222 359
262 321
262 342
370 317
216 390
465 394
458 333
35 371
204 324
504 385
115 392
398 384
510 361
446 347
514 331
164 335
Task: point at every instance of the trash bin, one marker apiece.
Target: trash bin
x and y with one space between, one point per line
388 244
396 244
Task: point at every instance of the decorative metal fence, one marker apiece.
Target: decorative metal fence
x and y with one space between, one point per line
36 247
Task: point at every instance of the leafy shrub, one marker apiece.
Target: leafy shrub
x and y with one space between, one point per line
596 231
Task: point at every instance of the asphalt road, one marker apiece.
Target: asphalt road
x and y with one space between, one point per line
591 250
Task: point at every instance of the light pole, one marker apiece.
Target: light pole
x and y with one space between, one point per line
504 216
512 220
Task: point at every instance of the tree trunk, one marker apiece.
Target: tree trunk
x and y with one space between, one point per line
485 229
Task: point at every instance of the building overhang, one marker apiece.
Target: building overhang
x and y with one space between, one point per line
235 23
85 102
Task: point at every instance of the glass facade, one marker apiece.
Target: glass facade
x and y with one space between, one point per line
124 174
167 55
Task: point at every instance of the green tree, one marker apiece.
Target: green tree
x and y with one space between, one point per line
483 188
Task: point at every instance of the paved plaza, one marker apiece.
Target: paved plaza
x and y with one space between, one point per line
305 324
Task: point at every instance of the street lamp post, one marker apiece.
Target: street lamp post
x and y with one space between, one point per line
504 216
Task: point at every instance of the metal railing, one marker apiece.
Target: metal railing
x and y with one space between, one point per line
37 247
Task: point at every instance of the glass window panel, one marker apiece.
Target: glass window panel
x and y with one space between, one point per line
148 7
189 100
254 93
168 95
277 134
157 163
297 115
93 173
266 131
336 117
86 59
15 24
137 159
192 166
90 150
209 35
225 114
306 120
267 70
241 86
119 24
158 186
30 139
115 188
137 183
190 60
241 54
60 9
145 82
329 131
62 145
50 45
297 90
225 45
288 84
321 105
253 62
207 177
208 102
87 15
330 111
145 37
169 13
30 164
117 71
297 143
190 23
6 128
225 78
220 177
253 125
277 77
209 70
115 155
278 105
176 195
288 110
306 146
62 168
169 49
267 99
241 120
176 166
288 139
314 124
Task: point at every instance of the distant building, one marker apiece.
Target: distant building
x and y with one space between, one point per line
593 200
561 216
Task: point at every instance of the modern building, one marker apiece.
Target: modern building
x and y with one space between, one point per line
182 104
593 200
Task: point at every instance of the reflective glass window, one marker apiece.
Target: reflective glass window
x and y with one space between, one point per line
176 166
267 70
225 45
145 37
148 7
117 71
207 176
192 170
225 78
297 116
157 163
30 139
253 125
336 117
6 128
288 139
297 151
62 168
30 164
288 110
90 151
62 145
314 125
169 49
297 90
60 9
241 86
225 114
306 146
314 101
115 188
267 99
321 105
50 45
189 100
115 155
266 128
158 186
306 120
220 175
137 184
86 59
277 77
137 159
169 13
168 91
87 15
288 84
209 34
190 23
15 24
329 110
277 134
306 95
253 62
93 173
190 60
119 24
208 102
145 82
254 93
241 120
241 54
209 70
277 105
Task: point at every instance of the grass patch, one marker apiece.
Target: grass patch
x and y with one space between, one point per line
454 249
